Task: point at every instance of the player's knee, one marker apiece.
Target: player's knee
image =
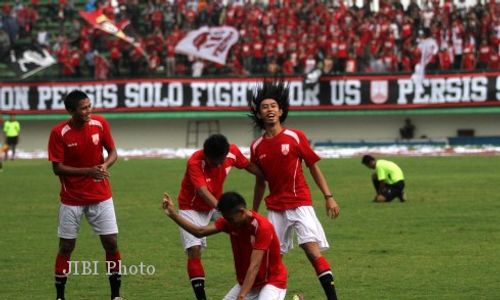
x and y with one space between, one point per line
194 252
380 198
110 243
312 251
66 247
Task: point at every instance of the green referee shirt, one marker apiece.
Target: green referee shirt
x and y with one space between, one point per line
388 171
11 128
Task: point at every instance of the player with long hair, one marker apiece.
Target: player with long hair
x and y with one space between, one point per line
279 153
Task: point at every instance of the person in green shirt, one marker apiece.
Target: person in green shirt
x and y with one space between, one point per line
11 128
388 179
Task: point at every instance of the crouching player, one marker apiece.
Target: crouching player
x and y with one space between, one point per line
200 190
260 272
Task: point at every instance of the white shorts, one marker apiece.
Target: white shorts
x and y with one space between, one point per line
301 220
267 292
101 217
200 219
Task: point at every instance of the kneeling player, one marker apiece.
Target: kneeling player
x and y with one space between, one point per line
260 272
388 179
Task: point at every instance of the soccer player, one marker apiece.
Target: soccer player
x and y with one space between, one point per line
388 179
76 152
201 188
260 272
279 153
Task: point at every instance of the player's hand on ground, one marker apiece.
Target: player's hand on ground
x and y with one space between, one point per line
332 208
168 205
99 172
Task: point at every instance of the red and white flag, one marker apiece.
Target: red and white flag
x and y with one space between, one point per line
209 43
99 21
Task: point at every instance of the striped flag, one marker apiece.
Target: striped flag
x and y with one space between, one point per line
99 21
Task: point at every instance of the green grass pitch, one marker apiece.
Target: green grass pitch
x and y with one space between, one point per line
444 243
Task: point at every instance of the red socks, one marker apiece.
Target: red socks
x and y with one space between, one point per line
197 277
321 266
113 262
62 266
195 269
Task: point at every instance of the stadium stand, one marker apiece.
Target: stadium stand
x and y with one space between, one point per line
280 37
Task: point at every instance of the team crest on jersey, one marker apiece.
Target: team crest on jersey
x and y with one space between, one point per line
285 148
95 138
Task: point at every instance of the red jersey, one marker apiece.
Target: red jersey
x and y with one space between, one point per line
351 65
493 62
468 61
101 67
288 67
444 60
81 148
280 159
343 51
484 53
199 174
115 53
258 48
406 30
258 234
75 58
406 64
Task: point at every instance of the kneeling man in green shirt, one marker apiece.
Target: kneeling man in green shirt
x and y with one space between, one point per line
388 179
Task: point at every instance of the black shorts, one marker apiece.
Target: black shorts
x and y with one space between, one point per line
392 191
12 140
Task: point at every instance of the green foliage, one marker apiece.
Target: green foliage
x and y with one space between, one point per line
444 243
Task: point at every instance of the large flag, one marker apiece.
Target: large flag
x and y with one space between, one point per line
210 43
428 48
29 60
99 20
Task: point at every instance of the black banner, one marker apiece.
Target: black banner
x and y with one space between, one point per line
338 93
29 60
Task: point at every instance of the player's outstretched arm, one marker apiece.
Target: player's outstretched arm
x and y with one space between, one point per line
197 231
253 269
332 208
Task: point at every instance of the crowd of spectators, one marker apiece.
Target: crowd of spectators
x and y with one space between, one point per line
276 37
